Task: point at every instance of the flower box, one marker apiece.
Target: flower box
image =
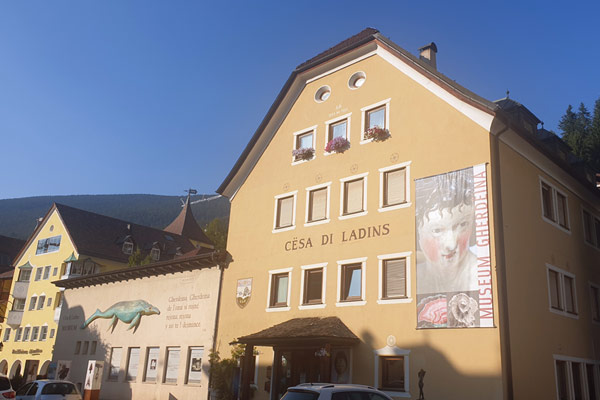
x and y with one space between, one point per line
304 153
337 145
377 134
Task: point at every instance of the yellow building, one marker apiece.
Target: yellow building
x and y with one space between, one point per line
408 234
68 243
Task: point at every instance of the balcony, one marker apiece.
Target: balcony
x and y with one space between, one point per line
14 318
20 290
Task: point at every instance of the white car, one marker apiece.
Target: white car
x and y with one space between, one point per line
6 390
47 389
333 391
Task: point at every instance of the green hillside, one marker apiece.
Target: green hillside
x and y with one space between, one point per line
18 216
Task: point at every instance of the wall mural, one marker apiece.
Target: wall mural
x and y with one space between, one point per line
130 312
454 288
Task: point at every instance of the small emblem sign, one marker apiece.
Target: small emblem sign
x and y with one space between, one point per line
244 291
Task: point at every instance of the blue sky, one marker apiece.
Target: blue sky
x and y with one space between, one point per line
156 96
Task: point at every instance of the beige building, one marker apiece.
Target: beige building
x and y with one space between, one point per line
406 232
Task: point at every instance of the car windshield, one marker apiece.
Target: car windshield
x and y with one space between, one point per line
4 383
300 395
59 388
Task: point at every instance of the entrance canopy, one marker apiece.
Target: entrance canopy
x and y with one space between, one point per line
304 332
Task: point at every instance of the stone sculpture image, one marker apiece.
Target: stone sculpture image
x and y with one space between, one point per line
130 312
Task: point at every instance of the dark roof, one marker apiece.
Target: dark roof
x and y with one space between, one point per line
185 225
512 107
306 330
96 235
205 260
9 247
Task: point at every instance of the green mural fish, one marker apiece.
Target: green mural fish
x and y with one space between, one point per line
130 312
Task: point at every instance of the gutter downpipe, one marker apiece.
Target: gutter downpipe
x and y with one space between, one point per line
501 267
222 267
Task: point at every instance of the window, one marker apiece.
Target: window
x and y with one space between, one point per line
194 372
26 332
151 364
32 302
77 347
337 128
555 207
357 80
312 285
172 369
18 305
6 335
85 348
24 274
575 378
55 271
133 362
393 277
595 300
48 245
394 182
34 333
391 370
317 204
285 213
561 291
44 333
38 273
304 145
375 115
279 289
19 334
92 348
52 333
155 254
47 272
49 302
354 196
591 229
41 302
562 380
351 287
128 246
115 363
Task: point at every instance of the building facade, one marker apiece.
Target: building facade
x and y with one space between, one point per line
69 242
408 234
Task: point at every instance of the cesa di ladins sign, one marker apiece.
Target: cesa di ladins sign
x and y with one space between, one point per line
345 236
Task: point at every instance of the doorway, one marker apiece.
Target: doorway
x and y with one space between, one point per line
296 366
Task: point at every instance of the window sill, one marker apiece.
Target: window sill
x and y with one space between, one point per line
564 313
348 216
287 228
394 207
396 394
310 306
557 225
365 141
319 222
395 301
350 303
302 161
277 309
592 245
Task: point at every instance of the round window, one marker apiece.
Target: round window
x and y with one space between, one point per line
322 94
357 80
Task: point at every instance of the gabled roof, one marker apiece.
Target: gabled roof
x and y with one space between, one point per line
185 225
363 38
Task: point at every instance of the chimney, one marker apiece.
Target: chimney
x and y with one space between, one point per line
427 53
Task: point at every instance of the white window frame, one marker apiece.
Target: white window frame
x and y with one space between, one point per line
295 135
363 121
37 306
43 328
597 287
32 302
332 122
363 286
326 185
593 243
381 258
293 194
6 336
561 283
364 176
305 268
389 351
289 292
570 384
554 190
382 171
26 333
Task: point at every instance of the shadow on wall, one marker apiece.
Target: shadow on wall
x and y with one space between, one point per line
77 346
442 379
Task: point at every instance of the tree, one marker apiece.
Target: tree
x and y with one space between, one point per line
136 258
216 230
581 131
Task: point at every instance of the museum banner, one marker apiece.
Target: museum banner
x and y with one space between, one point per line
454 275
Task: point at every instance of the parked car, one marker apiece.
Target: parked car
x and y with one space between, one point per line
6 390
48 389
333 391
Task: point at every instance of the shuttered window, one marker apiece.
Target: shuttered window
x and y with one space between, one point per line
394 187
285 207
317 209
394 278
353 196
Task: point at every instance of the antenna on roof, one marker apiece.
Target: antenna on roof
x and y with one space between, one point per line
507 93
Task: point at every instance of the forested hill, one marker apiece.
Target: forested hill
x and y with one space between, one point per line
18 216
